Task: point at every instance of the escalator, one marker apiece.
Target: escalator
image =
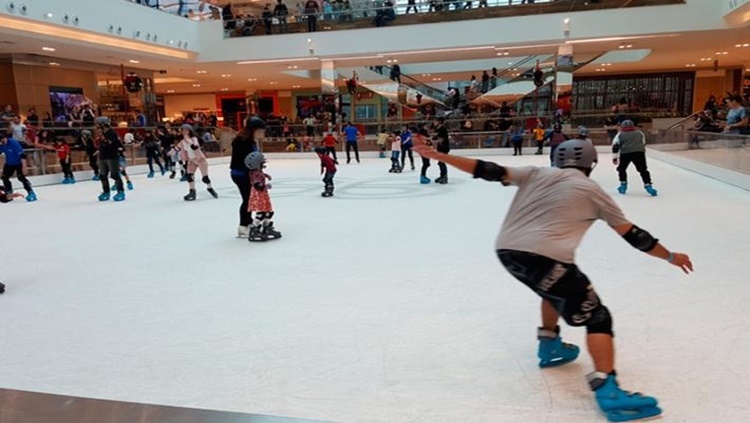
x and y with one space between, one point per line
396 93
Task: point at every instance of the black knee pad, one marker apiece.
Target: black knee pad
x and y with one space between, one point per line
600 322
190 177
206 180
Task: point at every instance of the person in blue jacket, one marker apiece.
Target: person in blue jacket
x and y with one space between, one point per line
14 156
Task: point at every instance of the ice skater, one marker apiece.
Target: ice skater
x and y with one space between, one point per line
516 138
629 146
539 134
443 145
122 162
63 155
329 143
166 141
260 201
352 138
190 148
8 197
14 157
153 153
89 145
555 138
327 166
539 251
424 135
109 166
243 144
395 141
406 147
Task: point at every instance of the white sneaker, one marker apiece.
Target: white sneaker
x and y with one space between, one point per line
243 231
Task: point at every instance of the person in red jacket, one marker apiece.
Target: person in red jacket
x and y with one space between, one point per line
63 154
329 143
327 165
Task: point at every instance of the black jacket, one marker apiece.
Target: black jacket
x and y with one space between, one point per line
109 147
241 148
442 140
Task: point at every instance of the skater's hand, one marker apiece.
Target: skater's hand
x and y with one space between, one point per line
682 261
615 161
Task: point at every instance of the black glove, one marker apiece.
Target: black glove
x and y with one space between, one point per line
195 147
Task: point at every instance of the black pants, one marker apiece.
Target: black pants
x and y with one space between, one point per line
8 171
312 23
93 164
332 151
517 148
243 184
425 166
110 168
552 150
639 160
150 159
443 170
66 169
540 147
561 284
168 163
328 180
349 146
412 6
404 151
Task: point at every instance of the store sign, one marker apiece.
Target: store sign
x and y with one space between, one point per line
365 95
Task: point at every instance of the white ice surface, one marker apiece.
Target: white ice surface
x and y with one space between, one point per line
383 304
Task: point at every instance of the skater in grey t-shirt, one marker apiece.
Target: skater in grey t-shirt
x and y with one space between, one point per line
551 212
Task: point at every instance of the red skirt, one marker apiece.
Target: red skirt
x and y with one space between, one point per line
260 201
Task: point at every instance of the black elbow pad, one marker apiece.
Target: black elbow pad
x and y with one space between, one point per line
640 239
194 147
23 155
489 171
615 148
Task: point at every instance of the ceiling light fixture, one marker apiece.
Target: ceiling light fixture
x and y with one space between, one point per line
170 91
135 62
54 64
225 89
201 72
196 85
48 49
252 79
225 75
296 86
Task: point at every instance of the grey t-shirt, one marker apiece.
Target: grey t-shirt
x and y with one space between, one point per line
552 210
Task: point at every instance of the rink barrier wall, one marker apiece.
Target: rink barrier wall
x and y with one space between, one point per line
727 176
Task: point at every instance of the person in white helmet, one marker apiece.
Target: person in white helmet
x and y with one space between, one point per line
550 213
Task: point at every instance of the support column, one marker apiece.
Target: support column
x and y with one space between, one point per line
563 96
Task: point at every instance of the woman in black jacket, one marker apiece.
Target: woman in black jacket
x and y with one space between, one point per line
244 144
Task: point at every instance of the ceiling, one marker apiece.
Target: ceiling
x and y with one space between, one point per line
682 51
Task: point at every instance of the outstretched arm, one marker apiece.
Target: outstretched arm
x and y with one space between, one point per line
477 168
643 241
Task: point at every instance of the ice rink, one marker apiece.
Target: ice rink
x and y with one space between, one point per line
383 304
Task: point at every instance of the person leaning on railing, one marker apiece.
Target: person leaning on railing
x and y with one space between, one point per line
737 117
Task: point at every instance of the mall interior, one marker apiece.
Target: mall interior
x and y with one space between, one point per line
106 317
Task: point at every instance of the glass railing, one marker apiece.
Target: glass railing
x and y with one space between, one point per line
191 9
726 151
346 15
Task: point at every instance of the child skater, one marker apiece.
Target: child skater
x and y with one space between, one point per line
260 201
327 166
406 146
395 140
329 143
516 138
122 162
153 153
14 157
63 154
540 252
191 152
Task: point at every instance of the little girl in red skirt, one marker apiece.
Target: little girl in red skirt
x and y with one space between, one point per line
260 201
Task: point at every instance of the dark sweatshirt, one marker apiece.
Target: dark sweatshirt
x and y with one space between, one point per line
109 148
241 148
442 141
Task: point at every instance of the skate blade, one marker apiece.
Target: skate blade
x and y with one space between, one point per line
556 363
636 415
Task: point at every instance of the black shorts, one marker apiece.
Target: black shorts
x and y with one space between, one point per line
310 131
562 284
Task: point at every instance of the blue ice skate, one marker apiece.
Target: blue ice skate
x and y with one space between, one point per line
552 351
71 181
183 178
65 181
163 171
120 196
150 174
424 180
95 178
31 197
623 188
130 186
619 405
104 196
651 191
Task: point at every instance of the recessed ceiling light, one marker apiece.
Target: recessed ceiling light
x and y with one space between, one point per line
201 72
721 53
54 64
170 91
48 49
292 67
225 89
225 75
49 15
252 79
274 83
134 61
196 85
690 65
296 86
